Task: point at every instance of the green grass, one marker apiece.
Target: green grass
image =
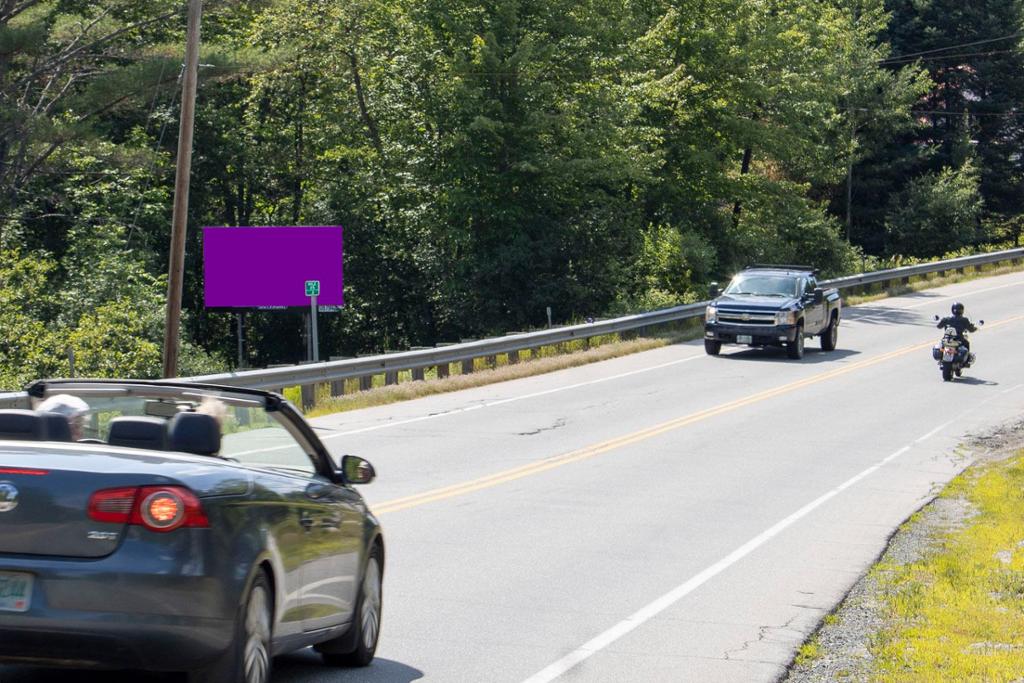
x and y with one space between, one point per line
958 613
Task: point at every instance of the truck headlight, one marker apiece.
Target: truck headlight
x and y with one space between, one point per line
785 318
711 314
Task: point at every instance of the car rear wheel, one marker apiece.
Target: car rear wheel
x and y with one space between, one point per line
712 347
358 646
795 348
248 659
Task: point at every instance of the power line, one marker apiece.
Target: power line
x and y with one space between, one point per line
952 47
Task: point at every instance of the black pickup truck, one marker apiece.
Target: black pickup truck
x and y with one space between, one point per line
771 305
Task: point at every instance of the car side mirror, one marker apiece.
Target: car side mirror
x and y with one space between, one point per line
714 291
819 295
355 470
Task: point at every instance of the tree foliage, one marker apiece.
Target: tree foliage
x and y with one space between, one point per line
487 160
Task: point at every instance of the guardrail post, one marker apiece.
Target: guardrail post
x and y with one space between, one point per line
390 376
513 357
308 391
467 364
418 373
444 370
366 381
534 353
338 385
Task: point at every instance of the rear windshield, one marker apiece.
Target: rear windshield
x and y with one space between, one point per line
760 284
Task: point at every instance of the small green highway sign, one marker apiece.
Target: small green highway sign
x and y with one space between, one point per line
312 288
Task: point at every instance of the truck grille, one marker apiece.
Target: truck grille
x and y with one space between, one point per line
740 317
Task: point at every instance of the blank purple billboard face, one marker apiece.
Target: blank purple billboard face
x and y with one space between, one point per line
269 267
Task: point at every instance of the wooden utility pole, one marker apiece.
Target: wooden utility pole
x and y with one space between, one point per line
179 221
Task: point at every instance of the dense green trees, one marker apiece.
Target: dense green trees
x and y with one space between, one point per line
487 160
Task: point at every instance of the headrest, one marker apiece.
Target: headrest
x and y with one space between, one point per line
22 425
57 426
138 432
194 433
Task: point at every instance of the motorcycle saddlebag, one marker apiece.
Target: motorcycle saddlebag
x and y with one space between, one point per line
937 352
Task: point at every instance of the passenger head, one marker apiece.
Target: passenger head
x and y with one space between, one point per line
214 407
71 407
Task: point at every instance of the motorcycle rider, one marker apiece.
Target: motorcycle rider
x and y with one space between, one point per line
961 324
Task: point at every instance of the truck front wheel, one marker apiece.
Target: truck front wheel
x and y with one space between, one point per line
712 347
795 348
830 336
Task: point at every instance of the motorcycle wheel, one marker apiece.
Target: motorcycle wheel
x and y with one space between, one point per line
947 372
958 373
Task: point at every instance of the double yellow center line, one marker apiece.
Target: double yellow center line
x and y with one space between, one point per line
594 450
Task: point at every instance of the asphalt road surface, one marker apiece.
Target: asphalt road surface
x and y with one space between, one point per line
667 516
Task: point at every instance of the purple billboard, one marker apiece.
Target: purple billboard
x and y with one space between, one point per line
269 267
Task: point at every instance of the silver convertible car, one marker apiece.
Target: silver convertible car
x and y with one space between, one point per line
180 527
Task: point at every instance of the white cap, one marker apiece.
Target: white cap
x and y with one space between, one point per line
67 405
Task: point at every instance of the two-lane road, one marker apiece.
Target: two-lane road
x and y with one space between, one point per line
666 516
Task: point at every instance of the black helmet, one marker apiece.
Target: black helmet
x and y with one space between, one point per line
958 308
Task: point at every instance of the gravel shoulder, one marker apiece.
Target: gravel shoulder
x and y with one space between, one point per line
840 648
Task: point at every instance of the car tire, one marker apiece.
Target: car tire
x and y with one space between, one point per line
712 347
248 659
356 647
830 336
795 348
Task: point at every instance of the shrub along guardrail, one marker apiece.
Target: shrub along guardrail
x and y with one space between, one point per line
333 374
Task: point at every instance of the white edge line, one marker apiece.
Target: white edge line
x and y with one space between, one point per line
603 640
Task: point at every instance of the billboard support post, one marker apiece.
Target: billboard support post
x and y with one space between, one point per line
241 348
313 334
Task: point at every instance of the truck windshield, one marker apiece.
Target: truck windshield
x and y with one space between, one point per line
764 285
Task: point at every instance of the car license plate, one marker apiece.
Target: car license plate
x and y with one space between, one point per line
744 339
947 355
15 591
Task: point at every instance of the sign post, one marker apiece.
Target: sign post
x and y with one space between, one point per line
313 291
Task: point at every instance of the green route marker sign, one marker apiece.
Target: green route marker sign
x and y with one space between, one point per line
312 288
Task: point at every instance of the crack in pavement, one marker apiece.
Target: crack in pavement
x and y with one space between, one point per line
560 422
762 635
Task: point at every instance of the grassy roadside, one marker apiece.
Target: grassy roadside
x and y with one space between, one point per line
957 614
569 355
946 600
930 282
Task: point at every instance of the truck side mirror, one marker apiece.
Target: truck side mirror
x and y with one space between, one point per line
819 295
714 291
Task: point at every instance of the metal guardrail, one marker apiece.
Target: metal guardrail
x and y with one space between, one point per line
337 371
309 375
16 399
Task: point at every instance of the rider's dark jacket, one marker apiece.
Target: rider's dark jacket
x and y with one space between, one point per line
960 323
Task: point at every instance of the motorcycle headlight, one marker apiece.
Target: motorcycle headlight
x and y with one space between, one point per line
785 318
711 314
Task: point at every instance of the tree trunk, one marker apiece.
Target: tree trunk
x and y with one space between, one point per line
737 209
364 110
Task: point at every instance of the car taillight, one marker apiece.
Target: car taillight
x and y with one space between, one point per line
158 508
112 505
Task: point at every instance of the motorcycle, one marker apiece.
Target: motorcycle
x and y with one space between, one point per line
952 354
